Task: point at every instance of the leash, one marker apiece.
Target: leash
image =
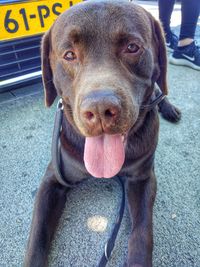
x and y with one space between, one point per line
55 151
111 241
55 146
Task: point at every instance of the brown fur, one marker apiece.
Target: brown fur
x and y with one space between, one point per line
102 91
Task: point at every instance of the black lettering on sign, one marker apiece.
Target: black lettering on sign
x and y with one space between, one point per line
23 13
11 25
54 8
32 16
43 12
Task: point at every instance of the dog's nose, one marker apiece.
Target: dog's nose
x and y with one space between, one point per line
100 109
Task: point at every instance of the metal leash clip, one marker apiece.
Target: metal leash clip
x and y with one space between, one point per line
60 104
106 252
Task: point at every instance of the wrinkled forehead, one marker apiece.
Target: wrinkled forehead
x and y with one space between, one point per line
101 20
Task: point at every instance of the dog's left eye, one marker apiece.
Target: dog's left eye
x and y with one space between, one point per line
132 48
70 56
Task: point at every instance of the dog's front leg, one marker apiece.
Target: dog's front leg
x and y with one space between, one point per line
49 204
141 196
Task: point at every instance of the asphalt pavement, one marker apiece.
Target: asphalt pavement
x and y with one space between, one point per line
25 138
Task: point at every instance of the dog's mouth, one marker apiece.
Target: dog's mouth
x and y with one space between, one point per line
104 155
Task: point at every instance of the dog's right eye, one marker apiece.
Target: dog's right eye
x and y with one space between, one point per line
132 48
69 56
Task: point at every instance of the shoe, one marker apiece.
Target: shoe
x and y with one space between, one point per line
171 41
187 56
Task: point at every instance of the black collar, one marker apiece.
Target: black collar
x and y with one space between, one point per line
154 102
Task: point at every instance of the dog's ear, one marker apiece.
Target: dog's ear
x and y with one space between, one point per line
47 76
158 40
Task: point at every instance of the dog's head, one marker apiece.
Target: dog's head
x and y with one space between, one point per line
103 58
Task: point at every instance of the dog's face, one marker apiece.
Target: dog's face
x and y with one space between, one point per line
103 59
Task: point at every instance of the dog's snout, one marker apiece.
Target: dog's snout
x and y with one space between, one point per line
100 109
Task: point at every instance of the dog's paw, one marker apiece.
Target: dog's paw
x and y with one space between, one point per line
169 111
173 114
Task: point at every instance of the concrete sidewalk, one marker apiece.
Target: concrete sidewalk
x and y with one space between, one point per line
25 137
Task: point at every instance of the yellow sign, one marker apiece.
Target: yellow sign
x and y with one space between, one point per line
28 18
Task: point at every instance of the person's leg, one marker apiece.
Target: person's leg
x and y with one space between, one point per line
190 10
187 52
165 12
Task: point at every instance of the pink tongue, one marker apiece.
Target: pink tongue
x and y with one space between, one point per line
104 155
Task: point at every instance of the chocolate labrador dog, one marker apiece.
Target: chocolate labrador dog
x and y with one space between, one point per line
104 58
